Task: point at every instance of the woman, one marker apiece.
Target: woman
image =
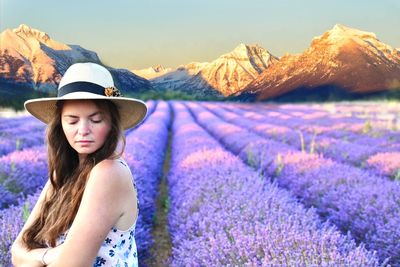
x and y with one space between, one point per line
86 214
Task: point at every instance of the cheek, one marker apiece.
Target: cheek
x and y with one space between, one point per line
68 131
103 132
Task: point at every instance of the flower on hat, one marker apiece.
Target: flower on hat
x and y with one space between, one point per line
112 91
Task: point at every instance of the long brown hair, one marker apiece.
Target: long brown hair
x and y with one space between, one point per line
68 177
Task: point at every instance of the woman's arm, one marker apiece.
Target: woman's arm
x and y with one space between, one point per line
21 256
101 207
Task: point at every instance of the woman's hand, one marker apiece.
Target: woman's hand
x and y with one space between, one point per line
22 257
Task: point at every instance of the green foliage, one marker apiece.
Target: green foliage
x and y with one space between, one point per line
312 145
170 95
250 158
17 144
393 125
12 166
26 211
367 126
333 93
390 95
3 176
280 164
262 174
397 175
303 146
14 95
166 205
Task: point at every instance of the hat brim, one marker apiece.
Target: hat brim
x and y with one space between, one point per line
132 111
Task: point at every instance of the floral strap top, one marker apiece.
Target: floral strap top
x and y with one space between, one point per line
119 247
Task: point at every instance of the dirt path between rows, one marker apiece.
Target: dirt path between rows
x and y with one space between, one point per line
162 247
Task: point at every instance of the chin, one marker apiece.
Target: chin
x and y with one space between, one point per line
85 151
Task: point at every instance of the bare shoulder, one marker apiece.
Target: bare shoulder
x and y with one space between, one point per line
110 172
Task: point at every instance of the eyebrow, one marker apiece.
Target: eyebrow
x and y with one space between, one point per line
74 116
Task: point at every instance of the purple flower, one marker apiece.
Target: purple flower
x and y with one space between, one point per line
224 213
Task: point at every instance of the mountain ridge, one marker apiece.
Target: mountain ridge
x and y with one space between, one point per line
348 58
31 58
226 74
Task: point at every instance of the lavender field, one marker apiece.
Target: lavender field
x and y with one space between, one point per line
247 184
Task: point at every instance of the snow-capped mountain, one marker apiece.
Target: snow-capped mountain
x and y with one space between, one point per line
348 58
225 75
342 57
176 78
175 81
152 72
30 57
233 71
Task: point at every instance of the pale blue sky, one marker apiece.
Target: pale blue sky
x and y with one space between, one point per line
139 34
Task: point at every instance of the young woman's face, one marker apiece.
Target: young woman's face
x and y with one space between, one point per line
85 126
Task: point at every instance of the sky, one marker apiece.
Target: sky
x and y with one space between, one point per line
138 34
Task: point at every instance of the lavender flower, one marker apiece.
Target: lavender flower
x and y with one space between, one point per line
386 163
225 214
318 181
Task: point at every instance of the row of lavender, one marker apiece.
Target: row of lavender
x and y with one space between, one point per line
380 118
144 153
379 127
20 133
385 113
380 154
224 214
316 118
353 199
329 120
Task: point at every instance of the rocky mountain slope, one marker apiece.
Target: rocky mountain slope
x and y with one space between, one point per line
343 57
226 75
31 58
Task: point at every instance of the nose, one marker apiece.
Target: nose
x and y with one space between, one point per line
83 128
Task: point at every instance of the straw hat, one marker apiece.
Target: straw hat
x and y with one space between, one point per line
84 81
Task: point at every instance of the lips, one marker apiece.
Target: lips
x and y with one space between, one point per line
84 143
